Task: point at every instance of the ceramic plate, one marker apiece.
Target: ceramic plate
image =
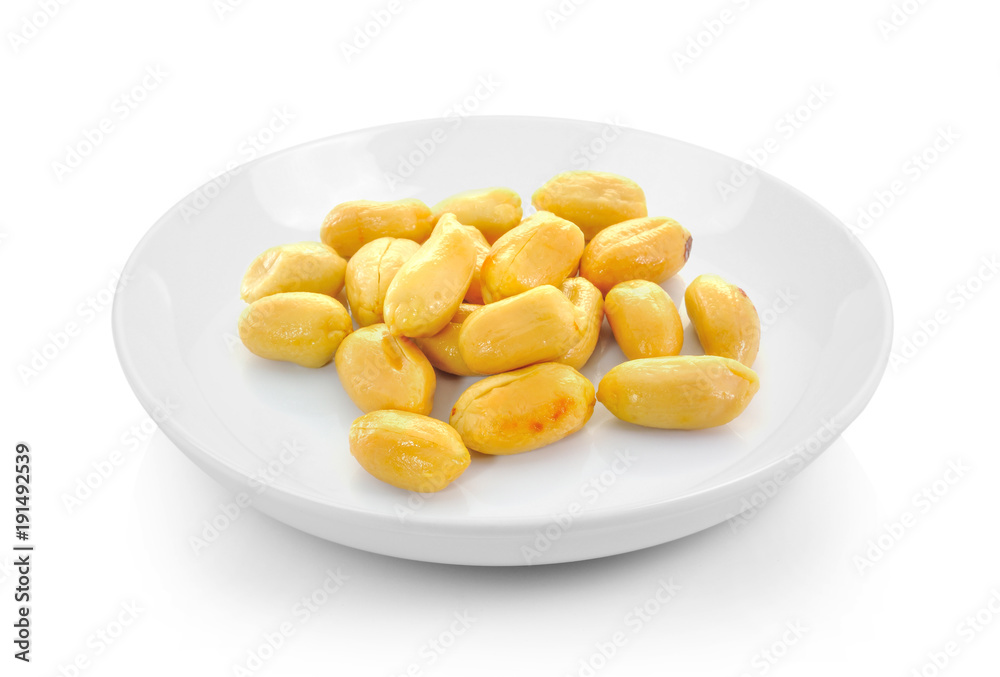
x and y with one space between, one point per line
276 434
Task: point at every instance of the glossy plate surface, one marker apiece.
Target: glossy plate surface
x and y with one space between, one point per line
279 432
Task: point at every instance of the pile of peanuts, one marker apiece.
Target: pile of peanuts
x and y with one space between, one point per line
471 288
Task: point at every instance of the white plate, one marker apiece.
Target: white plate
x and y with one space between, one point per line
276 434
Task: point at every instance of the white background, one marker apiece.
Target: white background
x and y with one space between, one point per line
63 235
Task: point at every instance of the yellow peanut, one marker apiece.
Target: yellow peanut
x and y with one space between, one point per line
683 392
442 348
475 293
591 200
428 289
303 266
351 225
724 318
493 211
523 410
544 249
301 327
369 273
652 248
382 371
536 326
644 320
589 304
409 451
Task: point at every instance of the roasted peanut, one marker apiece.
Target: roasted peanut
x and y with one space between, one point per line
428 289
724 318
523 410
536 326
644 320
652 248
475 293
351 225
589 304
407 450
493 211
544 249
442 348
301 327
303 266
591 200
382 371
369 273
683 392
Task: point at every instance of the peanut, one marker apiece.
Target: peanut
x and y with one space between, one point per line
724 318
351 225
442 348
303 266
536 326
544 249
683 392
369 273
523 410
409 451
589 304
301 327
428 289
644 320
382 371
493 211
591 200
652 248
